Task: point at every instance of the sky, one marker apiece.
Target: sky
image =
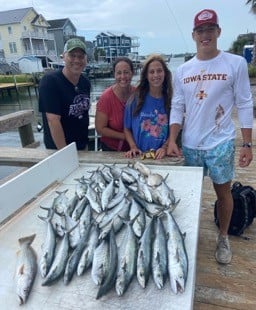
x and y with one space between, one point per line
162 26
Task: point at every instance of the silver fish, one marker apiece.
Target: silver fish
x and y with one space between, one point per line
74 235
81 187
74 258
60 203
154 179
107 195
85 220
87 255
116 171
93 199
58 221
144 254
79 208
100 262
131 171
159 254
60 260
109 215
49 245
143 189
71 204
143 169
177 255
98 180
164 195
116 220
26 268
126 260
119 196
109 281
140 222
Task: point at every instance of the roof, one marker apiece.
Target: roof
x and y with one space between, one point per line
31 58
59 23
13 16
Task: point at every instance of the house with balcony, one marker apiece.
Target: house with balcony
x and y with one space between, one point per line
63 29
116 45
23 32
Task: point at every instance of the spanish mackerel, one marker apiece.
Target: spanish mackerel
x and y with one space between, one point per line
126 260
144 254
177 255
48 246
110 278
159 254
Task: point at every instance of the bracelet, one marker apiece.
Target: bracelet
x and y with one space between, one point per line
248 144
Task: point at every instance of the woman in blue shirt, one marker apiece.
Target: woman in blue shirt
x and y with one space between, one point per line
146 119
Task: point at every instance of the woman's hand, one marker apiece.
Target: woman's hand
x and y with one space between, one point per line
161 152
134 151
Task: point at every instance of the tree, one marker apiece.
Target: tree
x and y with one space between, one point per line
99 52
252 3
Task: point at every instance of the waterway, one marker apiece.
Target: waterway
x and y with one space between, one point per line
23 101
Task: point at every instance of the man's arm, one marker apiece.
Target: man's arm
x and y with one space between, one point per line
56 130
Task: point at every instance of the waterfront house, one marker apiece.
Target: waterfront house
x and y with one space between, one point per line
62 30
115 44
23 32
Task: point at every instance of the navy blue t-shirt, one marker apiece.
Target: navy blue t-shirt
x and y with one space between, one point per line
59 96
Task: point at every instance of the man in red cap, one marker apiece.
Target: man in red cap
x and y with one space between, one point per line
206 89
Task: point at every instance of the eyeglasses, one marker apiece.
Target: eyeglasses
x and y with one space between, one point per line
208 30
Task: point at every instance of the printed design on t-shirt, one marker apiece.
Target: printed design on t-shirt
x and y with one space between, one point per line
81 104
219 114
201 95
154 124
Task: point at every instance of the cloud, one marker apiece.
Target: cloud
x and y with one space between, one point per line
161 24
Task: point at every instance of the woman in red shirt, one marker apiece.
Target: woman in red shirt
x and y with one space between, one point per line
109 117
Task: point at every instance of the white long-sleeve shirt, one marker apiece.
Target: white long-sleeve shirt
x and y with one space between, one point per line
207 91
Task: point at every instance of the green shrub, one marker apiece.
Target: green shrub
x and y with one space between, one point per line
252 71
20 78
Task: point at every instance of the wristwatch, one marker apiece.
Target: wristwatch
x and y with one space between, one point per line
248 144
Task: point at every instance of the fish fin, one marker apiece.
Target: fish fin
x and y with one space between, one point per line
158 257
21 269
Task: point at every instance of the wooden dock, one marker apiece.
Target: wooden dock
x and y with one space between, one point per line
8 87
21 120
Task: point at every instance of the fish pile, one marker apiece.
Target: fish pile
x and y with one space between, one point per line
129 204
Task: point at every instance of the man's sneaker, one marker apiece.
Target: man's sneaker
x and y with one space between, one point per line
223 252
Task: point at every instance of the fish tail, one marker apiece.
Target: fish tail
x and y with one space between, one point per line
28 240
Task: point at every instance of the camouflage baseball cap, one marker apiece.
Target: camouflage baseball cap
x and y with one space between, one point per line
73 43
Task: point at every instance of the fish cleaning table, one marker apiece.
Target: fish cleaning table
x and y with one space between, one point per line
20 199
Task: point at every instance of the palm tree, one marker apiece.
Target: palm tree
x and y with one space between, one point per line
252 3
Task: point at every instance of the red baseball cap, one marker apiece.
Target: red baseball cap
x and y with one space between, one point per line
205 17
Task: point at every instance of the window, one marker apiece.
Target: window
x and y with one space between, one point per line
9 29
12 47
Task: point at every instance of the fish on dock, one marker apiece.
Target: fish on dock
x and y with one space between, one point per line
26 268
